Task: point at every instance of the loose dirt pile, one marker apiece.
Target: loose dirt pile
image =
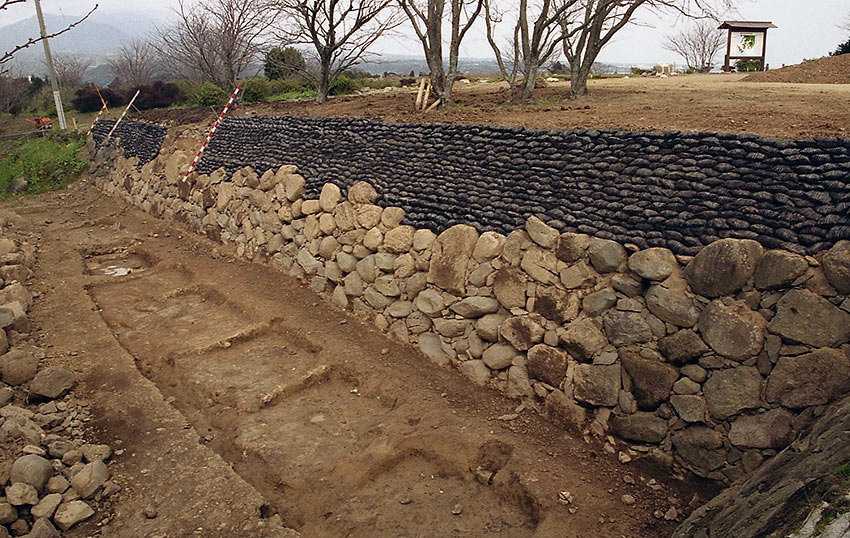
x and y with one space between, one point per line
828 70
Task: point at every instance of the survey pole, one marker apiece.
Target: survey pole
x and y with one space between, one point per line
51 72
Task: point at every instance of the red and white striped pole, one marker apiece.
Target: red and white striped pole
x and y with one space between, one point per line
96 119
133 100
212 132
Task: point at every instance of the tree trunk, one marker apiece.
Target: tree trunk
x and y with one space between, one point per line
524 92
324 85
578 80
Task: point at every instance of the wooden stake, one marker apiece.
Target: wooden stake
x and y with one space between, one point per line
434 105
419 93
427 95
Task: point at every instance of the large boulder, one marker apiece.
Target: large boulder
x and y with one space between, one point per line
778 269
31 469
475 307
723 267
565 412
556 304
801 316
571 246
522 332
51 382
17 367
450 257
730 391
701 448
682 346
766 430
547 363
653 263
815 378
606 256
640 426
596 384
836 266
583 339
653 380
672 306
733 331
540 232
509 287
626 328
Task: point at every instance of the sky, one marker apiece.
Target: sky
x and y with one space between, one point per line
807 29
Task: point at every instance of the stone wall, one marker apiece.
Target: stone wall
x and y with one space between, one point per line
711 362
142 140
676 190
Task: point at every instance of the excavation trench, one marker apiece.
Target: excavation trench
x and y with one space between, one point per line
331 449
342 431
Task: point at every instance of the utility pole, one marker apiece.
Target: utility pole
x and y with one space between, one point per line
51 72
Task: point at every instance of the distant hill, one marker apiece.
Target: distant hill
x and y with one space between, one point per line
94 39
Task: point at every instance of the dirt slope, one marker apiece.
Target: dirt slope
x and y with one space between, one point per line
246 405
828 70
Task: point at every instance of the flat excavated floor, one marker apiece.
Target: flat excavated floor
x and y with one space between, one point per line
245 403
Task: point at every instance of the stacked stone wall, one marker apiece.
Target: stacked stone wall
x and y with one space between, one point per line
142 140
676 190
710 362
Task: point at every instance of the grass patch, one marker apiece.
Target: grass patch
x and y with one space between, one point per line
298 94
46 163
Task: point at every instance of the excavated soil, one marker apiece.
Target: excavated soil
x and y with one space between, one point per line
245 404
828 70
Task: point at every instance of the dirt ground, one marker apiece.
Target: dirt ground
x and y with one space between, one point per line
718 103
828 70
245 404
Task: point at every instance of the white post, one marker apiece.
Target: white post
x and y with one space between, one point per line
51 72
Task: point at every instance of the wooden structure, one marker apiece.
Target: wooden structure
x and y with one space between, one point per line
747 41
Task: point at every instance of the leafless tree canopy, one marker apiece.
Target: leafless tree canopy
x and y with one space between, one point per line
698 46
7 56
340 32
12 93
537 37
70 70
589 25
135 64
427 17
216 40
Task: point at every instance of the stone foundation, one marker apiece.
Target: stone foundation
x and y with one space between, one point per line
710 363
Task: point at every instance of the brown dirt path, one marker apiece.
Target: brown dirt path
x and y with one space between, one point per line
241 400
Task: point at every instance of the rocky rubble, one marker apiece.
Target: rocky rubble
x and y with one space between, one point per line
51 478
710 363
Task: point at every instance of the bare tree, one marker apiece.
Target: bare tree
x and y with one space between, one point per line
591 24
13 93
340 31
427 18
698 46
216 40
532 45
7 56
135 64
70 70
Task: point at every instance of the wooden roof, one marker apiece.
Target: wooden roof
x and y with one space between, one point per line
746 25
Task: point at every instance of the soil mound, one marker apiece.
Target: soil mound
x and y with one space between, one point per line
828 70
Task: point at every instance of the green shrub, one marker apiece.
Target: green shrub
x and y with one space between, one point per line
284 63
344 85
256 90
288 85
843 48
210 95
46 163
